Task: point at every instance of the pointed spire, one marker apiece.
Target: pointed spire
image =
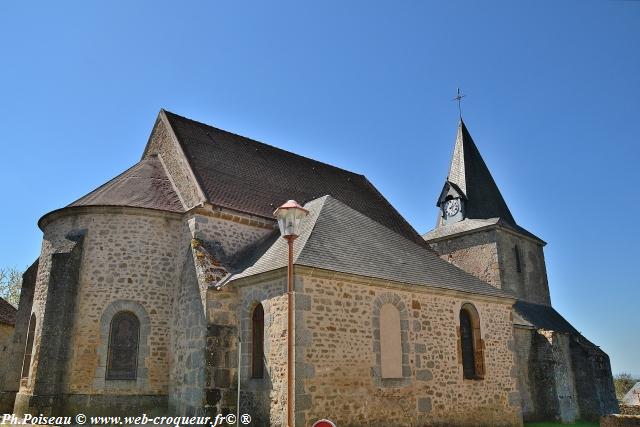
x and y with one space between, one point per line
471 175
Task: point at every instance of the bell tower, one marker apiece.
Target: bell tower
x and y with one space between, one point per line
476 231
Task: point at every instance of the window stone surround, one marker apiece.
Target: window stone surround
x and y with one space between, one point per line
376 370
141 382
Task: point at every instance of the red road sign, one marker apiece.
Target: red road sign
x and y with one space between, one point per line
324 423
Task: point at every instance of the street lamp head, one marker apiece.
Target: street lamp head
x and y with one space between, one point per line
289 217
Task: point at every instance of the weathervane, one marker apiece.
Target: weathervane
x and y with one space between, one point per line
459 99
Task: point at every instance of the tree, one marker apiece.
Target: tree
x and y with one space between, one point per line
623 383
10 285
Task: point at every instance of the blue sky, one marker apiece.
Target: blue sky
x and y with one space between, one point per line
553 92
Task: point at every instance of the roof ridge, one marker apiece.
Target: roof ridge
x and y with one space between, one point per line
217 129
322 200
425 247
248 175
373 187
145 184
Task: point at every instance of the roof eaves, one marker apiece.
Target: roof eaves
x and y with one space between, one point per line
341 275
45 219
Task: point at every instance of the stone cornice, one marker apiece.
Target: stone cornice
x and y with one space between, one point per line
486 228
213 211
363 280
46 219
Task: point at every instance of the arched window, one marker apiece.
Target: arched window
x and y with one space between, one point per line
124 335
28 349
257 344
390 342
471 344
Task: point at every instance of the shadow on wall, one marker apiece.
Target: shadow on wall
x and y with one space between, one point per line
255 401
188 343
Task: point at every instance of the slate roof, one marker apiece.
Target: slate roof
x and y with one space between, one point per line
336 237
470 174
145 185
459 227
541 317
7 313
484 203
470 224
249 176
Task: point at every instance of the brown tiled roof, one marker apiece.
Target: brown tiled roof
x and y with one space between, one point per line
144 185
249 176
7 313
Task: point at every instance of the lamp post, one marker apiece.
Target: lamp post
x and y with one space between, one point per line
289 217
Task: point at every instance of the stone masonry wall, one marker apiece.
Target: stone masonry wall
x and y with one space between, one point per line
10 371
217 239
526 383
6 353
336 367
50 366
530 284
188 339
221 351
620 421
545 376
6 333
227 233
129 256
562 376
476 254
593 380
53 306
163 143
490 256
265 398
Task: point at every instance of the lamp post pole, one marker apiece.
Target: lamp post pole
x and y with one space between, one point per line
290 332
289 217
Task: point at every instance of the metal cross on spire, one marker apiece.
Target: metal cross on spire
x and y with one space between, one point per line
459 99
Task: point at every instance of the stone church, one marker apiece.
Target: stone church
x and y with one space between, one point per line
162 290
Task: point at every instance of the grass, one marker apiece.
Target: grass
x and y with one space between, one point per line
551 424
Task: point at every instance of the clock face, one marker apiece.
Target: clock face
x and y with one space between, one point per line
452 207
